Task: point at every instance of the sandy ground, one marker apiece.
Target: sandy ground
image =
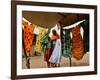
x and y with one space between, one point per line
38 62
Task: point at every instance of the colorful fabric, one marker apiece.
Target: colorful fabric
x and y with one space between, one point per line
47 54
56 54
77 43
44 41
28 37
53 40
66 43
54 37
42 32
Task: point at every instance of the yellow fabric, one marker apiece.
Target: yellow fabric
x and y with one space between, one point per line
42 32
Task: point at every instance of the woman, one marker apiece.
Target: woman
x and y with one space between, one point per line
56 50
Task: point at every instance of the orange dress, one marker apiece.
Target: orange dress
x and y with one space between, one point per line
77 43
28 37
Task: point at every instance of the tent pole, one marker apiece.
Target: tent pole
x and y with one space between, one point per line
70 61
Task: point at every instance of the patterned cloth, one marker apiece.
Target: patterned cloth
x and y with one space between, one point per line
56 54
66 43
28 37
44 41
77 43
42 32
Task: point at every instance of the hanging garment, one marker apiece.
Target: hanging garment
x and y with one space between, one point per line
28 37
53 40
77 43
85 26
46 46
44 41
42 32
48 52
56 54
57 28
36 30
66 43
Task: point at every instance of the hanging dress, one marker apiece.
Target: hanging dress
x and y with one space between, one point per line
28 37
66 43
48 52
42 32
54 38
85 26
56 54
44 41
77 43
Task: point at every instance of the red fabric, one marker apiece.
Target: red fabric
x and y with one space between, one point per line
47 54
55 37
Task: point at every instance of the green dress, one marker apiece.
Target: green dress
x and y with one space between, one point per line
44 41
66 43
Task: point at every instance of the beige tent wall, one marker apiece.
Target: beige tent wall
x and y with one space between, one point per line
41 18
47 19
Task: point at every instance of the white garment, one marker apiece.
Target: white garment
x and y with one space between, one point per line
56 54
55 28
36 30
73 25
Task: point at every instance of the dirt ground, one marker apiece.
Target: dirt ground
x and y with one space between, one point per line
38 62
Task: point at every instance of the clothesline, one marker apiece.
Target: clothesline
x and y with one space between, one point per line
74 25
36 30
66 27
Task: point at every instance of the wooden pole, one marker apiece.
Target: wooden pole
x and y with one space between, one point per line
70 61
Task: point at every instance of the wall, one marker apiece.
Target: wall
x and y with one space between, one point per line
5 40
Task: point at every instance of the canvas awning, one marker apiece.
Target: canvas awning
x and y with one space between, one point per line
48 19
